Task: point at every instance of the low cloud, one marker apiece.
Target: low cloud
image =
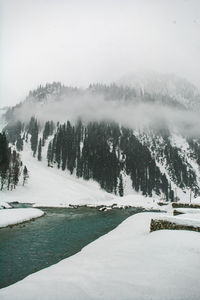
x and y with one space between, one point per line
90 107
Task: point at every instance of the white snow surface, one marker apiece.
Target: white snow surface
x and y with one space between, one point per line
127 263
18 215
196 200
4 205
52 187
188 210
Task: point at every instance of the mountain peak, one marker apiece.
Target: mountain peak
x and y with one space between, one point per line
156 83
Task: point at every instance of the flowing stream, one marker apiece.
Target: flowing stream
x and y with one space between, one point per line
35 245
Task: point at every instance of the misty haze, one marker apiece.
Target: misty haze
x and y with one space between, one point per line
100 147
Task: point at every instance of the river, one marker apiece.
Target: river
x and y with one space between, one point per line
35 245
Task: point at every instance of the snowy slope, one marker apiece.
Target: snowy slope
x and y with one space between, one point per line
156 144
49 186
127 263
53 187
187 154
66 189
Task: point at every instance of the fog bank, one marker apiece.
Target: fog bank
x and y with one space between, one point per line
90 107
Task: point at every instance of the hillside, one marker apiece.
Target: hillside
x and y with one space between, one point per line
144 142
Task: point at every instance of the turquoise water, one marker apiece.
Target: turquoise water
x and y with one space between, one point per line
35 245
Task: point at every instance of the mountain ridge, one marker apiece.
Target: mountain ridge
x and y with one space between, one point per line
157 136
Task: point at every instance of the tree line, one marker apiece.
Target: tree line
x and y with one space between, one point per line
11 166
104 152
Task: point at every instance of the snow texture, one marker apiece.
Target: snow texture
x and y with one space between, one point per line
127 263
18 215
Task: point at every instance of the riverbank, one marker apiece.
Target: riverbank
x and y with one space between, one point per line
10 217
127 263
61 233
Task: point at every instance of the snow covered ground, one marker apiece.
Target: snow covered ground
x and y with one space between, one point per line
127 263
188 210
185 219
18 215
196 201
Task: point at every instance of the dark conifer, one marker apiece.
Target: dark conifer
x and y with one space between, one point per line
4 159
16 173
25 175
39 156
34 138
121 188
19 144
49 154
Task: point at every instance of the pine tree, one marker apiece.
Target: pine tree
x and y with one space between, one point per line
16 173
121 188
49 153
171 195
19 144
48 130
26 138
4 158
9 179
39 156
58 147
34 138
31 125
25 175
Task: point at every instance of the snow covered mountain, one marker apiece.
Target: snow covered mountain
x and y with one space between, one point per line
140 135
2 118
164 84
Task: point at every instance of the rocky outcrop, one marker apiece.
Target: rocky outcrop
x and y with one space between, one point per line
185 205
163 224
177 212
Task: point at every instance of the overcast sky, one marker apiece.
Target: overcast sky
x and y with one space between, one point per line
78 42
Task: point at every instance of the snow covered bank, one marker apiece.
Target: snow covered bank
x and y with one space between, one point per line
140 201
4 205
187 210
127 263
112 202
184 219
18 215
